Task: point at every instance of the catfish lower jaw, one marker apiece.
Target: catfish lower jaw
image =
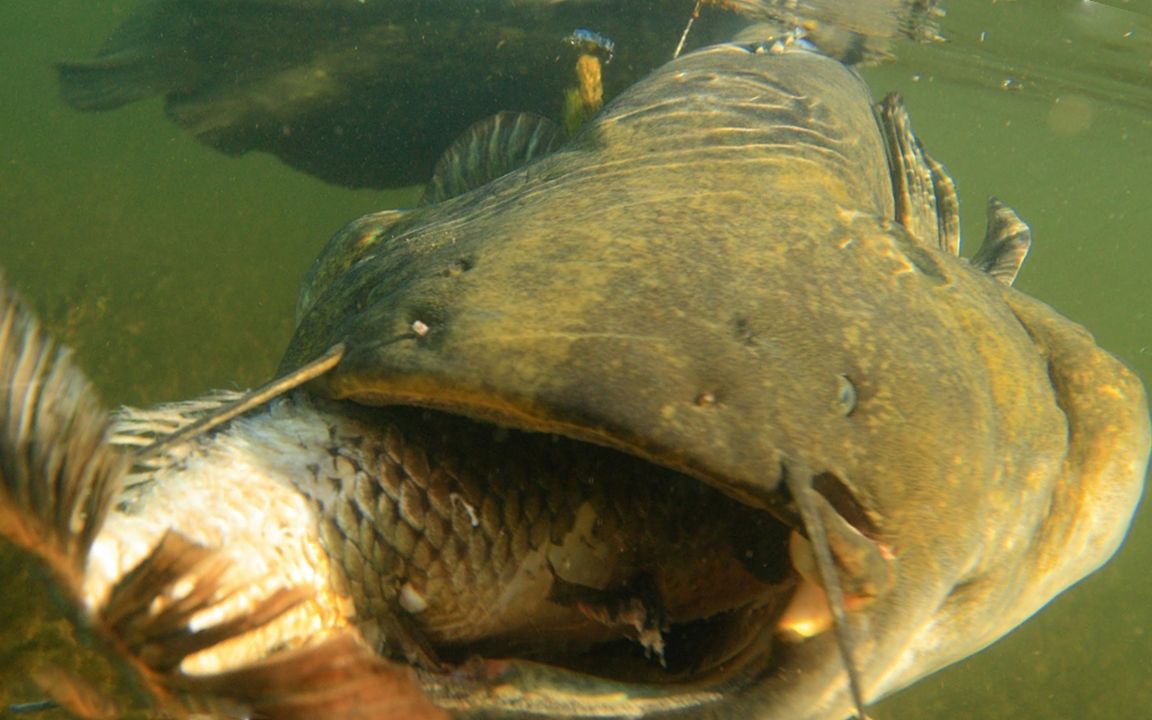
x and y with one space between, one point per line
648 582
443 540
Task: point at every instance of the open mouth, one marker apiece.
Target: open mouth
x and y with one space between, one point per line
504 544
595 560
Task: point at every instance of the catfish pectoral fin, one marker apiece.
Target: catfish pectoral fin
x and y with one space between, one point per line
1006 243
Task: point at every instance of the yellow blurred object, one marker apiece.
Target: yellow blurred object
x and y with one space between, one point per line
591 84
585 100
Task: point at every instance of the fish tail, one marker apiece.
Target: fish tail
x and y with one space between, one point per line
148 55
58 479
58 474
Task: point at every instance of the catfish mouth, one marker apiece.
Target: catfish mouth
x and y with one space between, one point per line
654 577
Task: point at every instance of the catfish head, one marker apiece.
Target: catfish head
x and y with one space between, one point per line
748 273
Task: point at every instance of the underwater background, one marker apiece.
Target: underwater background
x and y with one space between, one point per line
172 269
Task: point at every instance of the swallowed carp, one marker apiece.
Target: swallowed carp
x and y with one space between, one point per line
699 415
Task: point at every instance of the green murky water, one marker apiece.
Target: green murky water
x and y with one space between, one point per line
172 269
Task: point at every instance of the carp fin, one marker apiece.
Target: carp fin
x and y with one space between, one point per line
489 149
338 677
636 609
59 478
1006 243
58 474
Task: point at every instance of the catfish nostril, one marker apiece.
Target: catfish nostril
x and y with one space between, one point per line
742 331
458 267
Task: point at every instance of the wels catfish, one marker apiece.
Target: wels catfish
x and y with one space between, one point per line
700 415
367 93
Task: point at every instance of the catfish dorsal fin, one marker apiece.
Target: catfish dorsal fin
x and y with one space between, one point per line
489 149
925 200
1006 243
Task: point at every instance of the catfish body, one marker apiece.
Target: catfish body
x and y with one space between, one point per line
368 94
745 272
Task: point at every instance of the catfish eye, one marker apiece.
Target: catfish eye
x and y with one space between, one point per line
846 395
